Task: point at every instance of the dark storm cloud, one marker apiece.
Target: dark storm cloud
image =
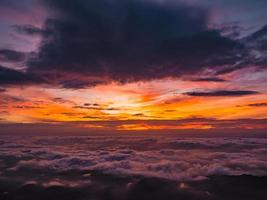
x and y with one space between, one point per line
87 43
221 93
13 77
8 55
128 41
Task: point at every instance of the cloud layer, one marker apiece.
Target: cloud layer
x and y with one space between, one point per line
168 157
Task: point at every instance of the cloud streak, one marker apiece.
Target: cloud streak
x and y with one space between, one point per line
258 105
221 93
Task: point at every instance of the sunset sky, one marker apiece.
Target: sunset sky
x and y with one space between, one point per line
133 65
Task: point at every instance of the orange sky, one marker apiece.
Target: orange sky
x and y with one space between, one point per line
153 100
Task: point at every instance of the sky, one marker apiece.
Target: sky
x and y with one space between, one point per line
135 65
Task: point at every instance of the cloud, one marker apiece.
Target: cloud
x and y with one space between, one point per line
26 107
65 183
256 45
258 105
209 79
148 40
78 84
29 30
253 54
221 93
5 99
2 90
10 76
171 157
90 43
258 36
85 43
8 55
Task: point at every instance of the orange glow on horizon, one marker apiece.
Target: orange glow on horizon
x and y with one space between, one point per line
139 127
134 101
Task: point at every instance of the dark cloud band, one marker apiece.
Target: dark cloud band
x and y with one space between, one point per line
221 93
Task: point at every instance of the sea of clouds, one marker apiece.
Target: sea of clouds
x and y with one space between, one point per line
163 156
